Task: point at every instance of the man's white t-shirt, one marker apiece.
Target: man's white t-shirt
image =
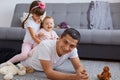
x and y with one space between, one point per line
46 50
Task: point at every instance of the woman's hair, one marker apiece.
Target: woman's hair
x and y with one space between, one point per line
73 33
37 7
47 17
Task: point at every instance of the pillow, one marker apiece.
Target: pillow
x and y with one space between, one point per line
44 15
25 14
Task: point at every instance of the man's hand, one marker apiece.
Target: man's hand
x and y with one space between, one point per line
82 75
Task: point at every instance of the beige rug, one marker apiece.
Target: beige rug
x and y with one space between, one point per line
93 68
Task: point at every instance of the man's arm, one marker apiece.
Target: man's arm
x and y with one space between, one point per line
76 64
56 75
79 67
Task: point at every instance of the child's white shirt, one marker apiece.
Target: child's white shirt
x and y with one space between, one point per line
35 26
47 34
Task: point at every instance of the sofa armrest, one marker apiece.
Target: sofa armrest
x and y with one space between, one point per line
12 33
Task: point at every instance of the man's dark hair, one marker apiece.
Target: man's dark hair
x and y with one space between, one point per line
73 33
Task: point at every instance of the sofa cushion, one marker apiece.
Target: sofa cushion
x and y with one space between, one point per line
14 33
115 12
75 14
65 12
110 37
18 12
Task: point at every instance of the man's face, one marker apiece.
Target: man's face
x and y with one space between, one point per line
65 44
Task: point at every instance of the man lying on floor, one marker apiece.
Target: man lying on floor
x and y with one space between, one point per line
50 54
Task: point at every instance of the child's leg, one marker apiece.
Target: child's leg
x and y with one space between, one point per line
31 52
26 47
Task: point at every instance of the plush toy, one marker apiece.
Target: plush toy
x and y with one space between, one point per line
29 69
105 75
10 70
63 25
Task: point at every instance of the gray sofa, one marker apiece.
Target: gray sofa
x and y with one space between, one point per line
95 44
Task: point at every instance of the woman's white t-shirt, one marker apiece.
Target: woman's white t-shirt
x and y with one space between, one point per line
46 50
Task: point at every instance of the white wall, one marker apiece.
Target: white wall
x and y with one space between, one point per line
7 8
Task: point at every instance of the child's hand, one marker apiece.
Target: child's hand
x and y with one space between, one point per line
40 35
30 54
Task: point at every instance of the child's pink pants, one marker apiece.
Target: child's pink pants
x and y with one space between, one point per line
26 48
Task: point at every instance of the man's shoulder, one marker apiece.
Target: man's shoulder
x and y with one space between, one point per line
75 49
48 42
46 45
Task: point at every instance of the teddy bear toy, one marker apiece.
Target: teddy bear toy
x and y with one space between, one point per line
10 70
105 75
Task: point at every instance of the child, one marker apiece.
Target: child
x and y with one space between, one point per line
46 31
32 26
